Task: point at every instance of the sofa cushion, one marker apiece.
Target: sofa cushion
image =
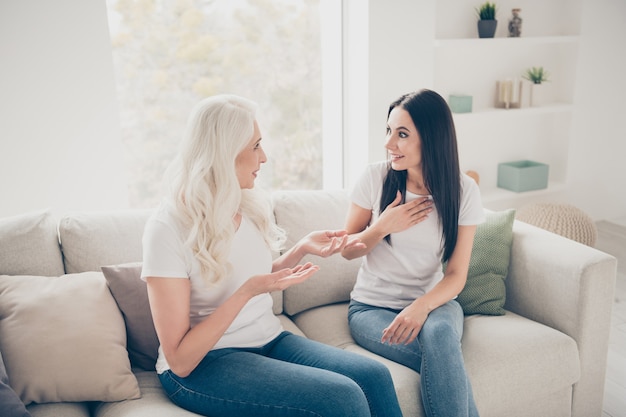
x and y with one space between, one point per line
131 296
154 402
29 245
66 409
405 381
92 239
499 351
10 403
485 290
74 348
299 213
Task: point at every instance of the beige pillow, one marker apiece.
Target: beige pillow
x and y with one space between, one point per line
63 339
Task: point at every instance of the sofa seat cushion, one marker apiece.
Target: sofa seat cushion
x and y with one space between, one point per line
405 382
499 351
67 409
289 325
154 402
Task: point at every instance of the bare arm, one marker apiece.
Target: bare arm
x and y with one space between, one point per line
407 324
169 298
319 243
395 218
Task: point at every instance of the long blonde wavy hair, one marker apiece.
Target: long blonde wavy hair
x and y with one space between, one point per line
202 183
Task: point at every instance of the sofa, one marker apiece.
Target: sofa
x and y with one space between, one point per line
76 339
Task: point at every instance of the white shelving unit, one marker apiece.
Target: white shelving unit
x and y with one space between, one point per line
509 42
466 64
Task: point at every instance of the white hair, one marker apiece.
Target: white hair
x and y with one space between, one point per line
204 188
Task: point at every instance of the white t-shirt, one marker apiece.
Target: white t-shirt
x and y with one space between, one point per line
165 255
394 276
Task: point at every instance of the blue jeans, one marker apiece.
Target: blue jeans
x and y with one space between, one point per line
290 376
435 354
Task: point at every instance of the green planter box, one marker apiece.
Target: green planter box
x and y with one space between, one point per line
460 103
521 176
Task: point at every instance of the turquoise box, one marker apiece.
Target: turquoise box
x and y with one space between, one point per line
460 103
521 176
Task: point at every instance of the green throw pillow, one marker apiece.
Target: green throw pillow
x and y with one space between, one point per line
485 291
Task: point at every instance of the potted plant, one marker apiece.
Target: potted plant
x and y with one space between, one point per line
487 22
537 76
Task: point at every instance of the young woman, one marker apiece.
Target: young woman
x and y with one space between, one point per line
414 212
209 271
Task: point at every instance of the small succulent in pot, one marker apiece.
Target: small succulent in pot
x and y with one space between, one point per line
486 11
487 22
536 75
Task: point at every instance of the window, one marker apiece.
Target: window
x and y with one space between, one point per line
170 54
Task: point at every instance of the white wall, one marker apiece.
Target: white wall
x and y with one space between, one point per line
59 130
398 62
597 165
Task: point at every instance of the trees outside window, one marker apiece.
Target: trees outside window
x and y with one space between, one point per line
169 54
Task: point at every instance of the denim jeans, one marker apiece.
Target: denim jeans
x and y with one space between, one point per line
435 354
291 376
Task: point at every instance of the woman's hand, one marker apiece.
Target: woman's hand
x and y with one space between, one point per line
329 242
320 243
407 325
280 280
398 217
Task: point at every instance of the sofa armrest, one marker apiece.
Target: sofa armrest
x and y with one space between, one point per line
570 287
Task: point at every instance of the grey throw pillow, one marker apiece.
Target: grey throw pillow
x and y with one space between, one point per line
131 295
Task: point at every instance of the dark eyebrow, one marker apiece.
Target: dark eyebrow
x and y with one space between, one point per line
400 128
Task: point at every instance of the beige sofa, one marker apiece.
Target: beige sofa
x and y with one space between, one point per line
545 357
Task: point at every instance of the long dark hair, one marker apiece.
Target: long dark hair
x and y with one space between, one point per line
440 162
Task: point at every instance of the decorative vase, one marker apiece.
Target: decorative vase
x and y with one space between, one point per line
538 95
487 28
515 24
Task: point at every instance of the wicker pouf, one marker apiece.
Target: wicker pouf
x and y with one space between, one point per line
562 219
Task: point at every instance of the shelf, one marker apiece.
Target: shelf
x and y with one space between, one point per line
491 42
490 112
491 195
464 64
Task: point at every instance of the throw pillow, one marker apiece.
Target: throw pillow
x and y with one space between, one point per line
10 403
131 296
485 291
63 339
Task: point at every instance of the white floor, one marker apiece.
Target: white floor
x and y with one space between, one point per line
612 239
